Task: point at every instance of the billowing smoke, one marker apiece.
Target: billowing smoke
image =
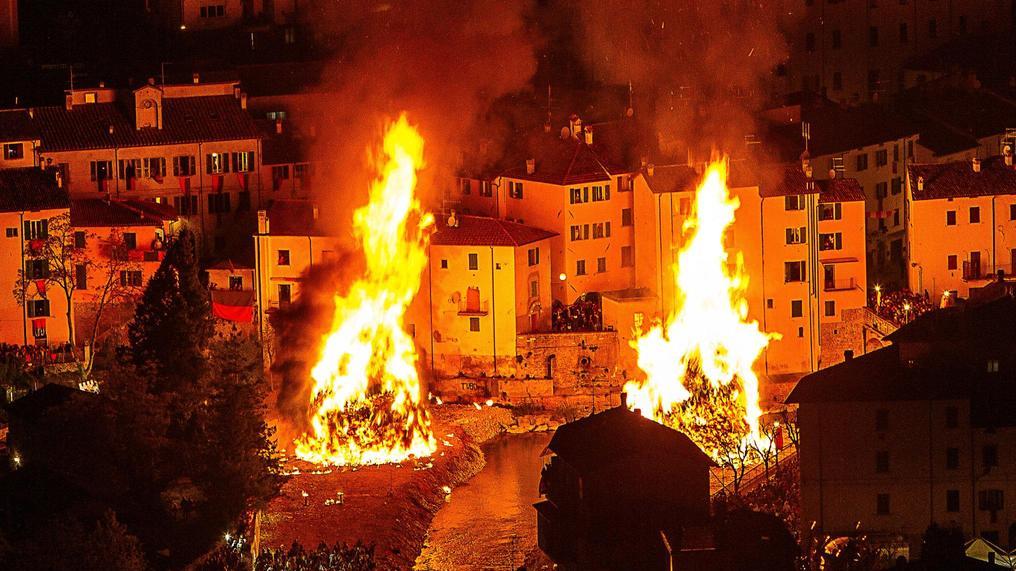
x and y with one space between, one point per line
702 65
442 61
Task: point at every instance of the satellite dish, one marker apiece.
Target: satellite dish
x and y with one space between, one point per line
453 221
565 132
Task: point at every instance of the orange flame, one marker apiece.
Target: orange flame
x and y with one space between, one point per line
698 362
367 401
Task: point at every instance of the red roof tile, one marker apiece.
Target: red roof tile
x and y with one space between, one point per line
794 182
481 231
184 120
956 179
98 212
567 161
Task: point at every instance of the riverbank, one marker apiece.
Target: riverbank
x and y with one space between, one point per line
390 506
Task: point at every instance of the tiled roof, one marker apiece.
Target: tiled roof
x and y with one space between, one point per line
973 112
619 435
17 125
184 120
30 188
794 182
293 217
836 129
685 178
481 231
98 212
567 161
958 179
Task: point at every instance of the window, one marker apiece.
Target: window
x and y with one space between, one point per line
992 365
130 278
213 11
216 163
881 420
990 500
800 332
627 257
36 229
830 211
601 265
797 235
769 303
932 29
837 39
952 458
881 157
950 218
242 201
862 161
283 257
952 262
830 308
952 501
186 205
989 456
904 33
975 214
1012 212
882 462
130 240
809 42
952 417
243 161
218 203
37 269
474 261
12 232
301 171
514 189
896 217
38 308
831 241
873 36
624 184
81 276
534 288
486 188
474 324
601 193
79 239
897 183
793 202
14 151
285 292
236 283
100 170
837 81
626 217
796 308
580 268
882 504
575 196
534 256
464 185
793 271
444 264
881 189
601 230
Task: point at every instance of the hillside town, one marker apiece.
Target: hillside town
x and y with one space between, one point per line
298 285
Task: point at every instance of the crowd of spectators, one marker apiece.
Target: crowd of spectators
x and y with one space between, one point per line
583 315
32 356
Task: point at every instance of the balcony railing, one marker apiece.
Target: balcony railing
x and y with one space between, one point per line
973 271
839 285
474 309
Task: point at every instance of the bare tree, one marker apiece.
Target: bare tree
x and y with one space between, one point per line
765 447
114 285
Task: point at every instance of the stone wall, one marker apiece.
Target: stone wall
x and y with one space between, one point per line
861 331
575 361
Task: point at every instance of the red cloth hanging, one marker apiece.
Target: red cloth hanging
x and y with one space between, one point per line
241 177
233 305
36 244
40 287
184 184
779 438
217 183
39 327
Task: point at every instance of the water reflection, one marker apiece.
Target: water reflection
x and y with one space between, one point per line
490 522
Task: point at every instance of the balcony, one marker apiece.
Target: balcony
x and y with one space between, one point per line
972 271
474 308
844 284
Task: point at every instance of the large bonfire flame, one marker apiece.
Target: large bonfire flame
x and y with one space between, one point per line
366 404
698 362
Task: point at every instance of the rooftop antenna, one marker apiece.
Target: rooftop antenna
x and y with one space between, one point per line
71 68
631 102
806 133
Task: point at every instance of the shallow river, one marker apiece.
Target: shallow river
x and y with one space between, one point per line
490 523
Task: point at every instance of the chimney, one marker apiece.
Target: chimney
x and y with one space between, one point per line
263 222
920 183
69 101
110 128
278 126
151 81
589 134
547 127
574 125
530 166
1001 276
976 164
315 212
196 78
243 101
102 85
650 169
624 399
848 355
1007 155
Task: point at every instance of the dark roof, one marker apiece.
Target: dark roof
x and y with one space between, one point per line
283 149
568 161
293 217
957 178
37 402
794 182
672 178
30 188
945 358
836 129
963 109
230 264
481 231
98 212
184 120
617 435
941 139
17 125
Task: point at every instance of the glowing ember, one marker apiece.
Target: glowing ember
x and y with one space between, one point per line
366 404
698 362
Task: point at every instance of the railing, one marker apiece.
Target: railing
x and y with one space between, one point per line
839 285
474 309
972 271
